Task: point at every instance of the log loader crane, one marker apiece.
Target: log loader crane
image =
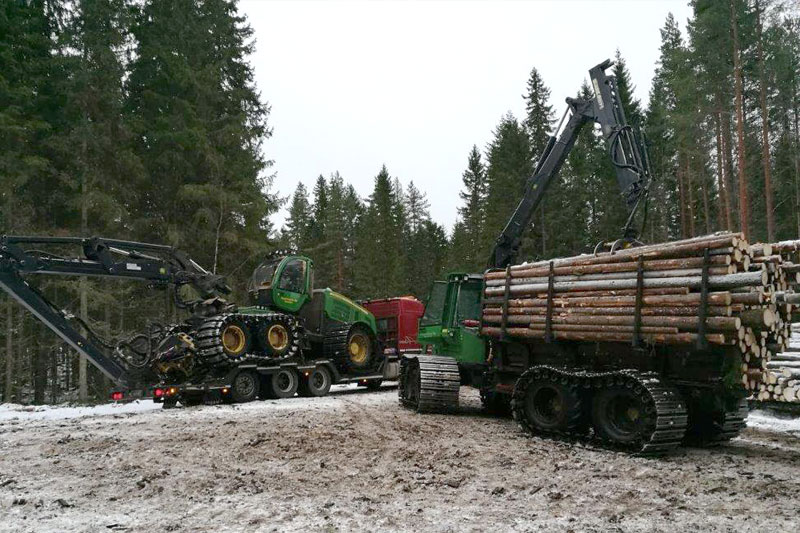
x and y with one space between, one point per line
293 339
556 386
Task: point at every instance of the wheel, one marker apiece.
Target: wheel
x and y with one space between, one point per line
169 403
621 415
284 383
279 336
245 387
234 336
496 403
317 383
544 405
360 349
713 420
191 400
373 384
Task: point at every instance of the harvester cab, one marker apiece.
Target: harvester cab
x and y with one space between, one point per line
450 323
283 282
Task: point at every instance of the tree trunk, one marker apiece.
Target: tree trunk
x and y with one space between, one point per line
690 194
706 208
744 203
722 180
9 389
765 155
682 201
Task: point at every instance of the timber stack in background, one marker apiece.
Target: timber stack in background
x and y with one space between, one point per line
715 290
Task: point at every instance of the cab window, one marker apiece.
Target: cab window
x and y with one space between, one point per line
293 276
469 302
435 306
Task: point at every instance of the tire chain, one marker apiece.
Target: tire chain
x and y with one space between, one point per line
334 347
440 382
209 343
664 400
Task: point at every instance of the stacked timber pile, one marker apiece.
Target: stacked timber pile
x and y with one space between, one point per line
781 376
710 290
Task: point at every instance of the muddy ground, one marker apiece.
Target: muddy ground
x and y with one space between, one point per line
356 461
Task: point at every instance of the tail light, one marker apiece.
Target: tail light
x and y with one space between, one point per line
172 391
158 393
116 396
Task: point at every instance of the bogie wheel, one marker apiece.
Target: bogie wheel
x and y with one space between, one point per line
542 404
317 383
245 387
360 349
235 338
622 415
278 336
284 383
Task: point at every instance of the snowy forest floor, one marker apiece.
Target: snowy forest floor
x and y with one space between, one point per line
357 461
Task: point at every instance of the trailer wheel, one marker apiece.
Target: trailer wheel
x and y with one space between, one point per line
621 415
496 403
245 387
317 383
547 406
284 383
169 403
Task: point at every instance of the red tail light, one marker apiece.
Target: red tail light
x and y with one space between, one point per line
158 393
116 396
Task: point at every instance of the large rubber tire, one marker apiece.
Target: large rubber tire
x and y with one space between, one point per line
360 349
713 421
279 336
245 386
317 383
621 415
548 406
284 383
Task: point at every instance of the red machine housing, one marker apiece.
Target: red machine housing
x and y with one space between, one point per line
397 320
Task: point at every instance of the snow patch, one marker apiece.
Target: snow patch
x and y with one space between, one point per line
10 411
768 422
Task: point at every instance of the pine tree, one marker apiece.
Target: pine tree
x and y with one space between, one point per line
467 246
378 271
297 231
199 125
631 105
509 167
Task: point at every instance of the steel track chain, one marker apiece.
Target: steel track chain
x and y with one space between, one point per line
661 399
209 341
439 383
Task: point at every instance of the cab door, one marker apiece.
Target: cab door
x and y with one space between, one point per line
292 289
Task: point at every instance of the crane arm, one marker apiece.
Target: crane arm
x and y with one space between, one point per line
627 153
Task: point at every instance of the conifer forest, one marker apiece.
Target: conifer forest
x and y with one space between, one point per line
141 120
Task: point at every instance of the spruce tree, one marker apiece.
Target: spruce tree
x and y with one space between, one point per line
631 104
471 214
297 231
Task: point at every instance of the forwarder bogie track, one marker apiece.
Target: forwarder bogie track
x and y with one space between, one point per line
630 411
429 383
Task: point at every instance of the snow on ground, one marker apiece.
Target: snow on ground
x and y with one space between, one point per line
356 461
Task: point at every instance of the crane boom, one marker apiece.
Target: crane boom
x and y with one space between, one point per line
626 150
157 264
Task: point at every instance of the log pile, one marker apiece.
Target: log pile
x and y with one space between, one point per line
781 373
713 290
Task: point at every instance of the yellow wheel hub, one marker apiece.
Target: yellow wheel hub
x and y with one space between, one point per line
358 348
277 337
234 339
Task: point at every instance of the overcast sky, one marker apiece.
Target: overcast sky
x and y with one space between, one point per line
413 85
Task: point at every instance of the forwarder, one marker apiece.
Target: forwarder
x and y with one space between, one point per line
554 388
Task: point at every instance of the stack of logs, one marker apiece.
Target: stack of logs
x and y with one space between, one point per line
656 293
781 371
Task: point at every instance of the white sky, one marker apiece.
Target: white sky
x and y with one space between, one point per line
414 85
